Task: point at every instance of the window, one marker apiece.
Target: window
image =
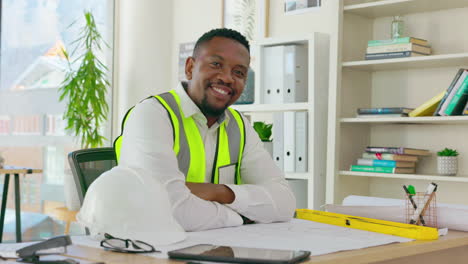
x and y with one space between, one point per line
32 67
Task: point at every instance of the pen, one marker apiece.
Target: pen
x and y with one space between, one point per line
427 197
410 197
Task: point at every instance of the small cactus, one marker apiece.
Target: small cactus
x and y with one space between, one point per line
447 152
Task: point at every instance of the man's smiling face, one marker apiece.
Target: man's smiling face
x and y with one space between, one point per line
217 75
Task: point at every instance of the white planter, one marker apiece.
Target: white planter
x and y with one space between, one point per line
268 145
447 165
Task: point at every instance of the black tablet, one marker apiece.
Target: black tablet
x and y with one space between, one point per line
238 254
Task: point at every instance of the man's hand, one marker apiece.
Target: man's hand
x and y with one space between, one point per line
212 192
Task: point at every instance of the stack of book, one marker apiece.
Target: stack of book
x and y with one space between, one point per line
397 48
389 160
384 112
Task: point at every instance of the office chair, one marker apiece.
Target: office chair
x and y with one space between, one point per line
88 164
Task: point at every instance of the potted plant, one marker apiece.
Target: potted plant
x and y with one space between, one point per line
447 162
85 87
264 132
84 90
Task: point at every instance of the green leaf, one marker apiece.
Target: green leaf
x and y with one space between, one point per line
263 130
85 88
447 152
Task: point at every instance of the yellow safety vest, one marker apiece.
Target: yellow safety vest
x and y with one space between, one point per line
188 143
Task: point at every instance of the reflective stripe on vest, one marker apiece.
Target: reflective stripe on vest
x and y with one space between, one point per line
189 147
118 140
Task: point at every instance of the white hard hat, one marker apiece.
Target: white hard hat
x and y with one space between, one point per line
130 206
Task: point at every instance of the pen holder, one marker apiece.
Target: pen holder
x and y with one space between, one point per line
427 206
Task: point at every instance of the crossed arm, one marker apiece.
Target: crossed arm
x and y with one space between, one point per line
212 192
264 197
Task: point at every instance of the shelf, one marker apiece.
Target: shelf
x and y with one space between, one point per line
401 7
303 39
431 61
409 120
358 82
406 176
35 141
297 176
272 107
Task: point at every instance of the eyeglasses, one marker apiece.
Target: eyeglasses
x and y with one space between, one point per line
126 245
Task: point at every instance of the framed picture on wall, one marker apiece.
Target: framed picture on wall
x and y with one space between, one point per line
185 50
300 6
249 17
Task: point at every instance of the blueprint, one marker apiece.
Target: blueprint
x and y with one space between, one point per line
295 235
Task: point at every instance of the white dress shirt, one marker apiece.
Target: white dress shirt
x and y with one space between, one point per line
147 147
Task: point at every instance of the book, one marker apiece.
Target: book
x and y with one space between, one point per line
417 41
381 115
449 89
386 163
388 156
455 107
399 47
384 110
465 111
460 108
392 55
399 150
381 169
428 107
452 92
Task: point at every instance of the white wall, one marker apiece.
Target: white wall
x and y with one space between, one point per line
148 34
191 19
322 19
143 46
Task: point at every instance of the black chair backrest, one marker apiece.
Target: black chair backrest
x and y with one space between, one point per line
88 164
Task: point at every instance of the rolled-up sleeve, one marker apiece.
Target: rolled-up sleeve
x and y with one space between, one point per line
265 196
147 147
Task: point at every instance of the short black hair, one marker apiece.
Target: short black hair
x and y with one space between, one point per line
224 33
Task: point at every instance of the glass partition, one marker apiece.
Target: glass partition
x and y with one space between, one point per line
32 130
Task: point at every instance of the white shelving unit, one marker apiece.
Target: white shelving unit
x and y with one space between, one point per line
309 187
385 8
433 61
402 82
409 120
459 178
297 176
270 108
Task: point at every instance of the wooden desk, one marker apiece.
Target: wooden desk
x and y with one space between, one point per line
452 249
7 170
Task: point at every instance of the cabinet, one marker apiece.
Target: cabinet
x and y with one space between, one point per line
403 82
309 187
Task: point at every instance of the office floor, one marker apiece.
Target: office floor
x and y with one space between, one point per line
39 218
38 224
43 227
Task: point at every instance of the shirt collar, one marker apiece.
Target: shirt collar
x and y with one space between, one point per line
189 108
